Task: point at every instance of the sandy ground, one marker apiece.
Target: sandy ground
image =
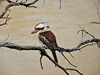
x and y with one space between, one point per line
64 23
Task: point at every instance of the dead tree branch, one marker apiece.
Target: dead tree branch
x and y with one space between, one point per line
5 20
98 9
16 3
64 69
42 50
39 48
41 60
19 47
95 22
43 2
24 47
68 60
98 12
81 45
60 4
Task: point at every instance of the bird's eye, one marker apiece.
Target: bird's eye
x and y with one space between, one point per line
40 28
47 26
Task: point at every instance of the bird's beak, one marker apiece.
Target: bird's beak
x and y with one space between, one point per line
35 31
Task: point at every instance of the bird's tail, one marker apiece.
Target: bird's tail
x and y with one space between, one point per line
54 55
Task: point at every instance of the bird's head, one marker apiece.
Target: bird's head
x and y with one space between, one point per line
40 27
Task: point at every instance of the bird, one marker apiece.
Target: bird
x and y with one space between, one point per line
46 38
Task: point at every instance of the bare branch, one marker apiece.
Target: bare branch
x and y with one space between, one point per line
10 1
7 38
45 54
81 44
71 55
64 69
19 47
41 60
68 60
83 30
98 12
95 22
74 70
17 4
42 50
88 45
5 20
43 2
60 4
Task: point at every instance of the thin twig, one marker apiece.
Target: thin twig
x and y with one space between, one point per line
5 20
98 10
87 45
68 60
98 44
41 61
83 30
43 2
98 13
7 38
55 63
64 69
60 4
95 22
71 55
74 70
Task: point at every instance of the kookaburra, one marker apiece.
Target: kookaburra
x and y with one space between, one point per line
46 38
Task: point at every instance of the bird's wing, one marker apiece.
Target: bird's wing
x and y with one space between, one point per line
48 39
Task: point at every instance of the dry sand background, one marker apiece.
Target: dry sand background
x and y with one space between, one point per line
63 23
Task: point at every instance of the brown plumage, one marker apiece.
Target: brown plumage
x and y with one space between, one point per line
47 38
